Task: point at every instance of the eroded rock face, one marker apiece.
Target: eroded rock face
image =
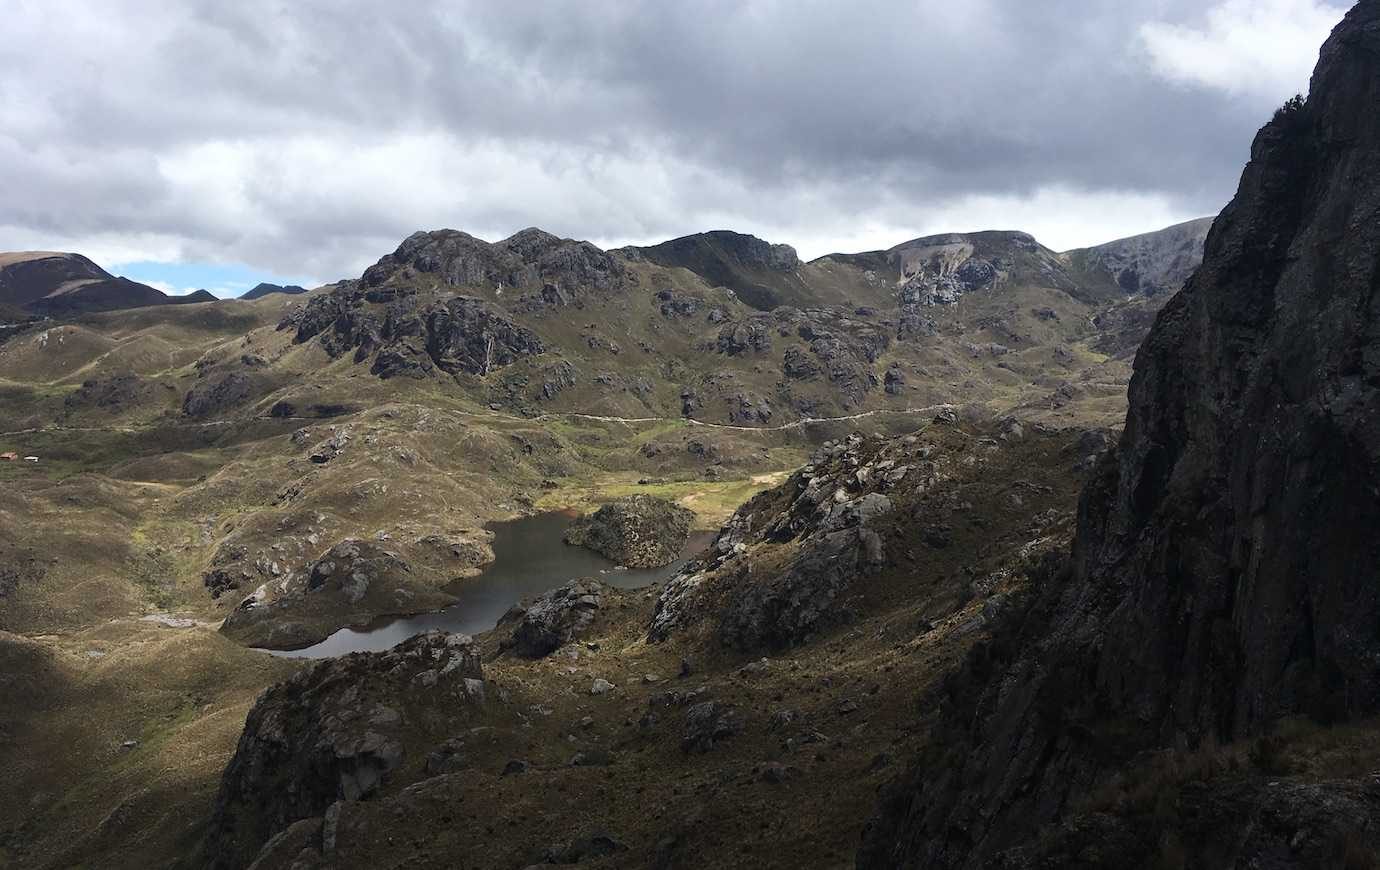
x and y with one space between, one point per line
528 260
786 609
464 334
639 531
1226 570
552 620
828 510
332 732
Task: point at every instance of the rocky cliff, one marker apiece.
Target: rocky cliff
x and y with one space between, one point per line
1225 571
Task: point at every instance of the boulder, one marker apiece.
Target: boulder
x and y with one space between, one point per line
552 620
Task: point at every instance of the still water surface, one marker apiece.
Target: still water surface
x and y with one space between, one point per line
531 558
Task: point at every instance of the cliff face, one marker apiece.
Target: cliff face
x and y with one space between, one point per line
1226 570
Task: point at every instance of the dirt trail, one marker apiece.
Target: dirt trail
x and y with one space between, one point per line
690 421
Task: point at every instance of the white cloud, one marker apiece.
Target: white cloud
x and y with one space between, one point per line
1260 49
173 290
258 133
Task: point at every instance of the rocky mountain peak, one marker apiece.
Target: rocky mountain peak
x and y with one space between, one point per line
1224 573
760 272
527 260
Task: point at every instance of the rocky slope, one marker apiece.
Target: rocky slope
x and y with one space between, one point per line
1224 575
62 284
337 732
707 747
764 275
535 324
1149 264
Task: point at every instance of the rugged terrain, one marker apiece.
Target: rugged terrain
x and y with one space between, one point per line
1223 581
890 447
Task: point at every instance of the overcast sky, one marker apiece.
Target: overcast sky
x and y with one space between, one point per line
210 143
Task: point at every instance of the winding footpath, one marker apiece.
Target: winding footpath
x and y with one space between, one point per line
567 415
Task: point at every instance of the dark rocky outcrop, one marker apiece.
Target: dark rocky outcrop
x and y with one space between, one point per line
639 531
333 732
111 394
215 394
740 337
1226 570
464 334
784 610
528 260
827 509
350 584
554 619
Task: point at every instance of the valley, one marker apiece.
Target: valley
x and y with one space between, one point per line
964 553
196 461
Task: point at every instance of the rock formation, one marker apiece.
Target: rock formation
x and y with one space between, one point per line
527 261
639 531
462 335
1224 573
554 619
334 732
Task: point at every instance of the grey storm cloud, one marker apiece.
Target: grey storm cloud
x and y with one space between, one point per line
310 136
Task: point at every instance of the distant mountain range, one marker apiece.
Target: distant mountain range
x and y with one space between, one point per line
763 275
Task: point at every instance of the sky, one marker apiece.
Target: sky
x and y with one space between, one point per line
200 143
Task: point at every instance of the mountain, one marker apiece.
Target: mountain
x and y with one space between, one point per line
56 283
264 288
763 275
938 268
884 464
1224 573
196 296
1151 264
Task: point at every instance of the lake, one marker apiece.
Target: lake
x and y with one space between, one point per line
531 558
